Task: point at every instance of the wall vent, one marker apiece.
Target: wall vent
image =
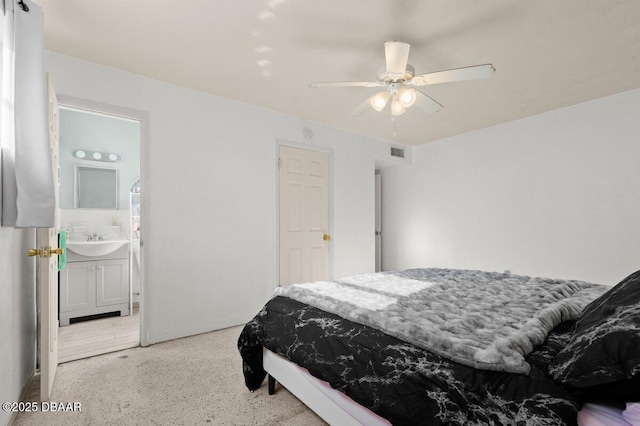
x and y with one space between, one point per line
397 152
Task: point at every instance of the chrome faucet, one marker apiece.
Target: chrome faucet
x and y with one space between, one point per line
95 237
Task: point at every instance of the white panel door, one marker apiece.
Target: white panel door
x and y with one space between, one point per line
378 217
304 216
47 273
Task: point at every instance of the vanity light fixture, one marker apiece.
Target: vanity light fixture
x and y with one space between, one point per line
108 157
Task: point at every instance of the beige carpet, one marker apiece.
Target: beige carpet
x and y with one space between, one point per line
192 381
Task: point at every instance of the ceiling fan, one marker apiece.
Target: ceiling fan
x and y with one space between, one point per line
399 81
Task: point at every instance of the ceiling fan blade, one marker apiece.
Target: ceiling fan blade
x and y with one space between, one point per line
426 103
458 74
397 55
345 84
363 106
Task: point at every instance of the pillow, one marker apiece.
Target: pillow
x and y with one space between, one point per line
605 344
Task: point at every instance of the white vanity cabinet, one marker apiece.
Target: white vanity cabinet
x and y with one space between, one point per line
94 285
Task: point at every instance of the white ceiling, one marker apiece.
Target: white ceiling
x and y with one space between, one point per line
548 53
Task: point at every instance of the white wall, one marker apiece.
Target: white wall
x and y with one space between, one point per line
557 194
17 314
209 191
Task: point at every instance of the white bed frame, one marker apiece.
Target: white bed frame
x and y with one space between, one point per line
338 409
332 405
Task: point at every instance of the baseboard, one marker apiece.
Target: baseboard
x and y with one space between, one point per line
194 329
23 394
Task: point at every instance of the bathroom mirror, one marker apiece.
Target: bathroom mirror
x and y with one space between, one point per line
96 188
96 132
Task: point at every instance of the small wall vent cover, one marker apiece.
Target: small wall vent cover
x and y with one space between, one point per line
397 152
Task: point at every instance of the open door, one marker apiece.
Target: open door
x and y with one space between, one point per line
47 269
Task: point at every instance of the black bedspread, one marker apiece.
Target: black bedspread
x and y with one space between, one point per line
400 382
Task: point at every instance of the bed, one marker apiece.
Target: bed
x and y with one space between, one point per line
442 346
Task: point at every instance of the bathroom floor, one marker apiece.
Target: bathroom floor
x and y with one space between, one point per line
101 336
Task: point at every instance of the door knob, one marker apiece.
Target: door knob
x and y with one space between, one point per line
45 251
326 237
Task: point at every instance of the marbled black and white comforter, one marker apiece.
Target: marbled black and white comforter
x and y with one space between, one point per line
400 381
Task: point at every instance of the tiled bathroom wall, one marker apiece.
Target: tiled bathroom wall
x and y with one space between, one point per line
112 224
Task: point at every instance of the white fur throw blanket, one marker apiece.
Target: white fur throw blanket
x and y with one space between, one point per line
485 320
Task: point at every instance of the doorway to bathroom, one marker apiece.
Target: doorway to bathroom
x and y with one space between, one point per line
100 208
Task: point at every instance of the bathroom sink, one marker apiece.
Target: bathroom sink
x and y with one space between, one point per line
95 248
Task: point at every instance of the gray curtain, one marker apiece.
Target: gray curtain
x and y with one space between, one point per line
28 198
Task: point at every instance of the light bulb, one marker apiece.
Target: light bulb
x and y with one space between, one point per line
379 101
113 157
80 154
407 97
97 156
396 107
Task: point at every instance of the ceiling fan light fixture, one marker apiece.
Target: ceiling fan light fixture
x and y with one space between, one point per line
396 107
407 97
379 101
398 74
